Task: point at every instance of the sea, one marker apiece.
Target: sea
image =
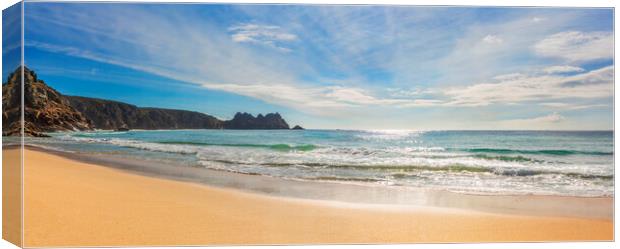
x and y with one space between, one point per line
564 163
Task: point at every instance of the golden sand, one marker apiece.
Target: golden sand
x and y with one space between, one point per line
11 197
70 203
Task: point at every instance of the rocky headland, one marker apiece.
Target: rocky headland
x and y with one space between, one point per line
47 110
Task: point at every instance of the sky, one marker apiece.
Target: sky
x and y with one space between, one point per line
11 40
336 67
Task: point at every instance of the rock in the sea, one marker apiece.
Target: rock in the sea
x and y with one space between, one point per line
45 109
122 129
297 127
245 120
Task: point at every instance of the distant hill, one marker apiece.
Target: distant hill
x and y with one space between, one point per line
47 110
107 114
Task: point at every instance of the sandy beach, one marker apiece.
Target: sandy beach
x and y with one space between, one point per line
72 203
11 197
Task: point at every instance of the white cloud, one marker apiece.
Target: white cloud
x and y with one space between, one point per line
409 93
350 95
562 69
330 100
267 35
552 118
543 122
510 76
334 100
508 89
571 106
201 51
423 103
492 39
308 99
593 84
577 46
324 100
472 59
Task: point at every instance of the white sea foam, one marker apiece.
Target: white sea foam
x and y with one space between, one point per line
384 158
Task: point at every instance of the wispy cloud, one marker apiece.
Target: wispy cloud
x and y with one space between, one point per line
562 69
572 106
552 118
541 122
267 35
577 46
518 88
330 100
492 39
508 89
593 84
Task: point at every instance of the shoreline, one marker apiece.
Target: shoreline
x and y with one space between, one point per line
73 203
348 193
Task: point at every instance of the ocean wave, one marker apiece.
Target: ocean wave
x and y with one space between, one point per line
131 144
280 147
433 153
408 153
152 146
529 172
97 134
539 152
508 158
574 165
343 179
429 159
455 168
180 146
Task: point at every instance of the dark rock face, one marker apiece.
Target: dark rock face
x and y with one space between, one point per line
113 115
245 120
11 101
45 109
297 127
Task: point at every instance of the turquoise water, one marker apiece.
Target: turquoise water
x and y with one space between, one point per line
488 162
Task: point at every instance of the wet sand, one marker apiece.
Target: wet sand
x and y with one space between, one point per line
75 203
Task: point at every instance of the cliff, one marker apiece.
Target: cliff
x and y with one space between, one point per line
248 121
107 114
45 109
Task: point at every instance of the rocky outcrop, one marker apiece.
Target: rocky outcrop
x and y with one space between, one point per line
113 115
245 120
45 109
11 101
297 127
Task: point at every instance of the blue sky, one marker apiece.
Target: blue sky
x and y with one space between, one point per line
348 67
11 39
